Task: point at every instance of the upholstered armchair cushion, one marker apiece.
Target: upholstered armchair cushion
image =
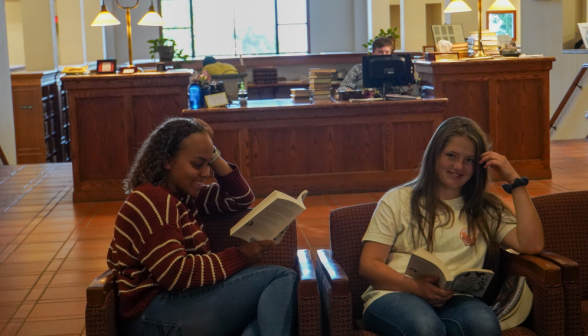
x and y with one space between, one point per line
565 222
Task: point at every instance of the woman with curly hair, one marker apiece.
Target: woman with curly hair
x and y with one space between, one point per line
448 211
168 280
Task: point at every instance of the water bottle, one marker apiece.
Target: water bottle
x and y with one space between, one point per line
194 93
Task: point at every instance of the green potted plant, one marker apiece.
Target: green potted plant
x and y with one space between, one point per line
390 33
164 46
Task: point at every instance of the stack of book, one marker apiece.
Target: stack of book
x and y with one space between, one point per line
300 94
489 41
461 48
320 82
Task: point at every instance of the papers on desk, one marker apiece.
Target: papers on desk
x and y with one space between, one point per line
392 96
360 100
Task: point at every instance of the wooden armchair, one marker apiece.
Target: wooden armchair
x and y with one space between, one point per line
565 222
102 298
341 286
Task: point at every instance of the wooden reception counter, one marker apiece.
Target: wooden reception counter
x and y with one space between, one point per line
330 147
507 97
111 115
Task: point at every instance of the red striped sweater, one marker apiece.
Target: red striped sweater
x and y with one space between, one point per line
159 243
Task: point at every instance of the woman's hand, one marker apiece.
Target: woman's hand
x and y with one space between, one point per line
434 295
206 126
255 251
500 164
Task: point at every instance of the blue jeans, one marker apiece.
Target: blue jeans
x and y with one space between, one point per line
409 315
255 301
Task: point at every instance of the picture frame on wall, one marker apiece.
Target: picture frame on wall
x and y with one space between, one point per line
584 32
452 33
502 23
106 66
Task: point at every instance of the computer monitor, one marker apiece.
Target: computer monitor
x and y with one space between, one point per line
387 70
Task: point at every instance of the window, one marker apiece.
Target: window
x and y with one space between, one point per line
502 22
236 27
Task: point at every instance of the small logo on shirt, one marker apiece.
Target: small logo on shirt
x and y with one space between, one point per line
463 235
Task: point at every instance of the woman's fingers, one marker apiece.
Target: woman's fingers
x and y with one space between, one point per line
492 163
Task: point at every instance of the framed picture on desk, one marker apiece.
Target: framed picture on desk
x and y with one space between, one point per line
430 49
106 66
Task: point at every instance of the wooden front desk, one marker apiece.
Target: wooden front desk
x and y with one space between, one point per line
327 147
111 115
508 98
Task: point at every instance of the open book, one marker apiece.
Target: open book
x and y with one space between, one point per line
513 304
472 281
271 218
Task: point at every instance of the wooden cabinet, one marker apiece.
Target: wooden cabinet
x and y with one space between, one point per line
38 117
508 98
109 118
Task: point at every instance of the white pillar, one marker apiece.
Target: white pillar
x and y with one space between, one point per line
72 45
40 38
7 139
95 37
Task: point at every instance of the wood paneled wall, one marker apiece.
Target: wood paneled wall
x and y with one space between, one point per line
508 98
111 115
333 147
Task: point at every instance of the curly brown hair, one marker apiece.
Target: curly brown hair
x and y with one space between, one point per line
160 146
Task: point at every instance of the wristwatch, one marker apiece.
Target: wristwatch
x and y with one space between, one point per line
215 154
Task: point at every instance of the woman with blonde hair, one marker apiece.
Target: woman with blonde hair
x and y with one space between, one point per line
448 211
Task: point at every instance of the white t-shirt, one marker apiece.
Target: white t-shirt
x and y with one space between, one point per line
390 225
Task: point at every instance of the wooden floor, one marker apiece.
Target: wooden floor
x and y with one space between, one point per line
51 249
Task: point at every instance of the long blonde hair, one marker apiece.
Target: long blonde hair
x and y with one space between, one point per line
480 207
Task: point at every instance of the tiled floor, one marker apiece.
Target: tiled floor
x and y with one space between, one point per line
51 249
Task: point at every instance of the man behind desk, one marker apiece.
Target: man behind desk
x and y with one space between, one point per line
354 79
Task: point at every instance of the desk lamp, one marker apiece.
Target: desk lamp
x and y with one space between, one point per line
105 18
456 6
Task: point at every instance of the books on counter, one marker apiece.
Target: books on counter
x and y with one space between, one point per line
320 82
489 42
300 94
461 49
